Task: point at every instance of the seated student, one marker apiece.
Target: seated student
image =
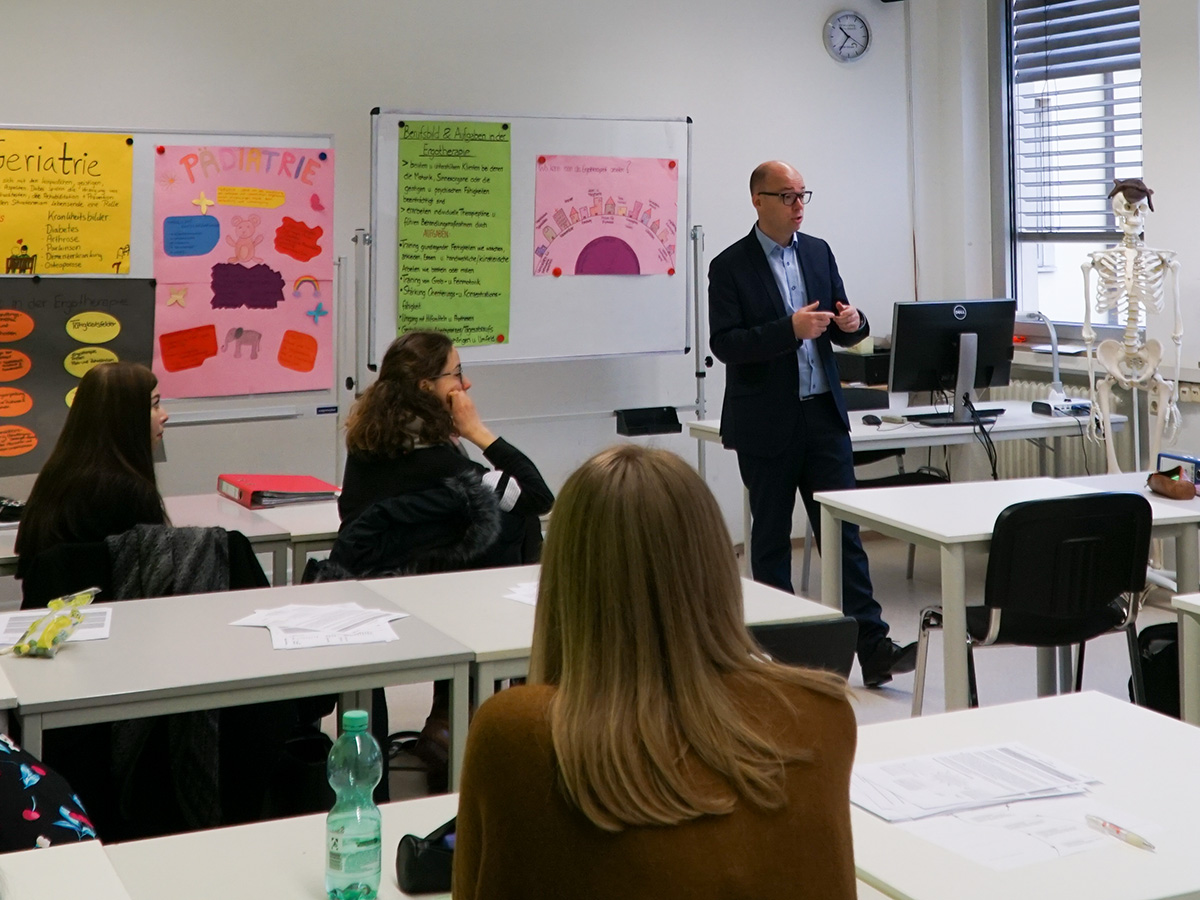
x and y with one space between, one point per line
655 752
95 516
99 479
412 501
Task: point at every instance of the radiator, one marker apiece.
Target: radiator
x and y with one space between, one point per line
1019 459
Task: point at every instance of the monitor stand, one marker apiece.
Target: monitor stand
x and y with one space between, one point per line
964 389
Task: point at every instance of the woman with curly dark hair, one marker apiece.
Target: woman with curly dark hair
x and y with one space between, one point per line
404 438
413 501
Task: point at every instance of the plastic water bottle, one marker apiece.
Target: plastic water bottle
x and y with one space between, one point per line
352 829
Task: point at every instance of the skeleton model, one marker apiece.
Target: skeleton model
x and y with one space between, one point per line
1132 278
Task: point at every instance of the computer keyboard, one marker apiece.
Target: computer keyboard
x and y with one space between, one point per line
947 418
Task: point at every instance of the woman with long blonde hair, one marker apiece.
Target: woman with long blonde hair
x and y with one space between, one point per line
656 752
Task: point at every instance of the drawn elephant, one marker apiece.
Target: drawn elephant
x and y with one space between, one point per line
240 338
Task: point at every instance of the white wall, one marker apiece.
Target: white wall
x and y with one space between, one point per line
753 76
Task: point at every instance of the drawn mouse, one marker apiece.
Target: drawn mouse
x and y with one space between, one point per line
246 242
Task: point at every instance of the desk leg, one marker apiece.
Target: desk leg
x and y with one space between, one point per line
747 521
31 734
954 626
1187 560
458 721
831 560
1189 667
1047 681
279 565
485 682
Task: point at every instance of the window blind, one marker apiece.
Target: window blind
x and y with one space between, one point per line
1076 114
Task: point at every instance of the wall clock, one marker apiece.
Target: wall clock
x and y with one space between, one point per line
847 36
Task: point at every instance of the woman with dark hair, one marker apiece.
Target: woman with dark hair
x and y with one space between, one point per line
99 479
412 500
656 751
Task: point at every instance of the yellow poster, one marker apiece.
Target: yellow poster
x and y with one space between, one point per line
65 202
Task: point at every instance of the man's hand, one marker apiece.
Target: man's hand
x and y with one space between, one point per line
809 322
847 318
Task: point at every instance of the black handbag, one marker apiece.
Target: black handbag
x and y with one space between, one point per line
423 865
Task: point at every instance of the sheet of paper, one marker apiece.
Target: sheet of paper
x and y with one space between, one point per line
918 786
96 624
298 625
525 592
1033 831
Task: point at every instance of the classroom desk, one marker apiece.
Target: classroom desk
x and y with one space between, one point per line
178 654
1018 423
80 870
312 526
207 510
1187 606
471 608
958 518
281 858
1109 739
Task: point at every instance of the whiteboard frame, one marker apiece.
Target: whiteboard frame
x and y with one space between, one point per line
384 239
207 410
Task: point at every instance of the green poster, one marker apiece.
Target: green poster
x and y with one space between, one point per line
454 211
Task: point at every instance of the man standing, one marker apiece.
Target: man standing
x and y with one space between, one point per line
776 307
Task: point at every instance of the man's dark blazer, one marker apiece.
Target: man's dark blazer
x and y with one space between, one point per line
751 332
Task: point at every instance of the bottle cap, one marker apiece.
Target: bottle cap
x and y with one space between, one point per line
354 720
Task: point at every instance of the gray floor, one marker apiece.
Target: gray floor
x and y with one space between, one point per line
1004 674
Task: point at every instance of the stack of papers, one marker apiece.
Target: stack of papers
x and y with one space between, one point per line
919 786
296 626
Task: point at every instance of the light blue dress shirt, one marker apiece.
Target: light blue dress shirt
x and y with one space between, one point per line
790 280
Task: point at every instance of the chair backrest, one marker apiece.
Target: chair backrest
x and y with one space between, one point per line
1068 557
824 644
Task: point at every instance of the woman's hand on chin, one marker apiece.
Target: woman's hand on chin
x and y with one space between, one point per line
466 420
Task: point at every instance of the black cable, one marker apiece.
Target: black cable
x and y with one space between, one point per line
982 435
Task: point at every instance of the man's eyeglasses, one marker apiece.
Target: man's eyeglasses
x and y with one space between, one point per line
457 373
787 198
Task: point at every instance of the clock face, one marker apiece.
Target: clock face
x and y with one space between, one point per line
847 36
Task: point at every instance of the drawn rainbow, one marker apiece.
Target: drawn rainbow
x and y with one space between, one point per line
303 280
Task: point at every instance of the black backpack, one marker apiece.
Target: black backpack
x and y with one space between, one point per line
1158 647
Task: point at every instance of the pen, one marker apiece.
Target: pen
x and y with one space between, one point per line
1118 832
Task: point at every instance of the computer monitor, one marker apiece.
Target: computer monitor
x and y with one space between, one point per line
954 346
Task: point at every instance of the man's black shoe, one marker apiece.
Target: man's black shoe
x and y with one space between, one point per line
888 659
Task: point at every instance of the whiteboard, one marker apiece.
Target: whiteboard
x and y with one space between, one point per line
570 316
141 265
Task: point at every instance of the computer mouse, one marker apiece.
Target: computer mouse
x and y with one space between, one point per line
869 419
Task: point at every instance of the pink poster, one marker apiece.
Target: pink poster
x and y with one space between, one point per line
243 257
605 215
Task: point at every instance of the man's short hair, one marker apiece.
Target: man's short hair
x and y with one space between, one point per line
759 176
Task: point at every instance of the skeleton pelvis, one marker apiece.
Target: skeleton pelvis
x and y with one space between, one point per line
1137 367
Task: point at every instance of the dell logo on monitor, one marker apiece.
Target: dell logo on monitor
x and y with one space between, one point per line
960 311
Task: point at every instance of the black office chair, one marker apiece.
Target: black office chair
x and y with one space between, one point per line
857 400
1060 571
824 644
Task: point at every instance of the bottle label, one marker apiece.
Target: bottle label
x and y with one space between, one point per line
351 854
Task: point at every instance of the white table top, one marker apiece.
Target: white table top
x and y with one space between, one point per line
208 510
472 609
1018 421
176 647
959 512
284 858
1108 738
79 870
1165 510
317 521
